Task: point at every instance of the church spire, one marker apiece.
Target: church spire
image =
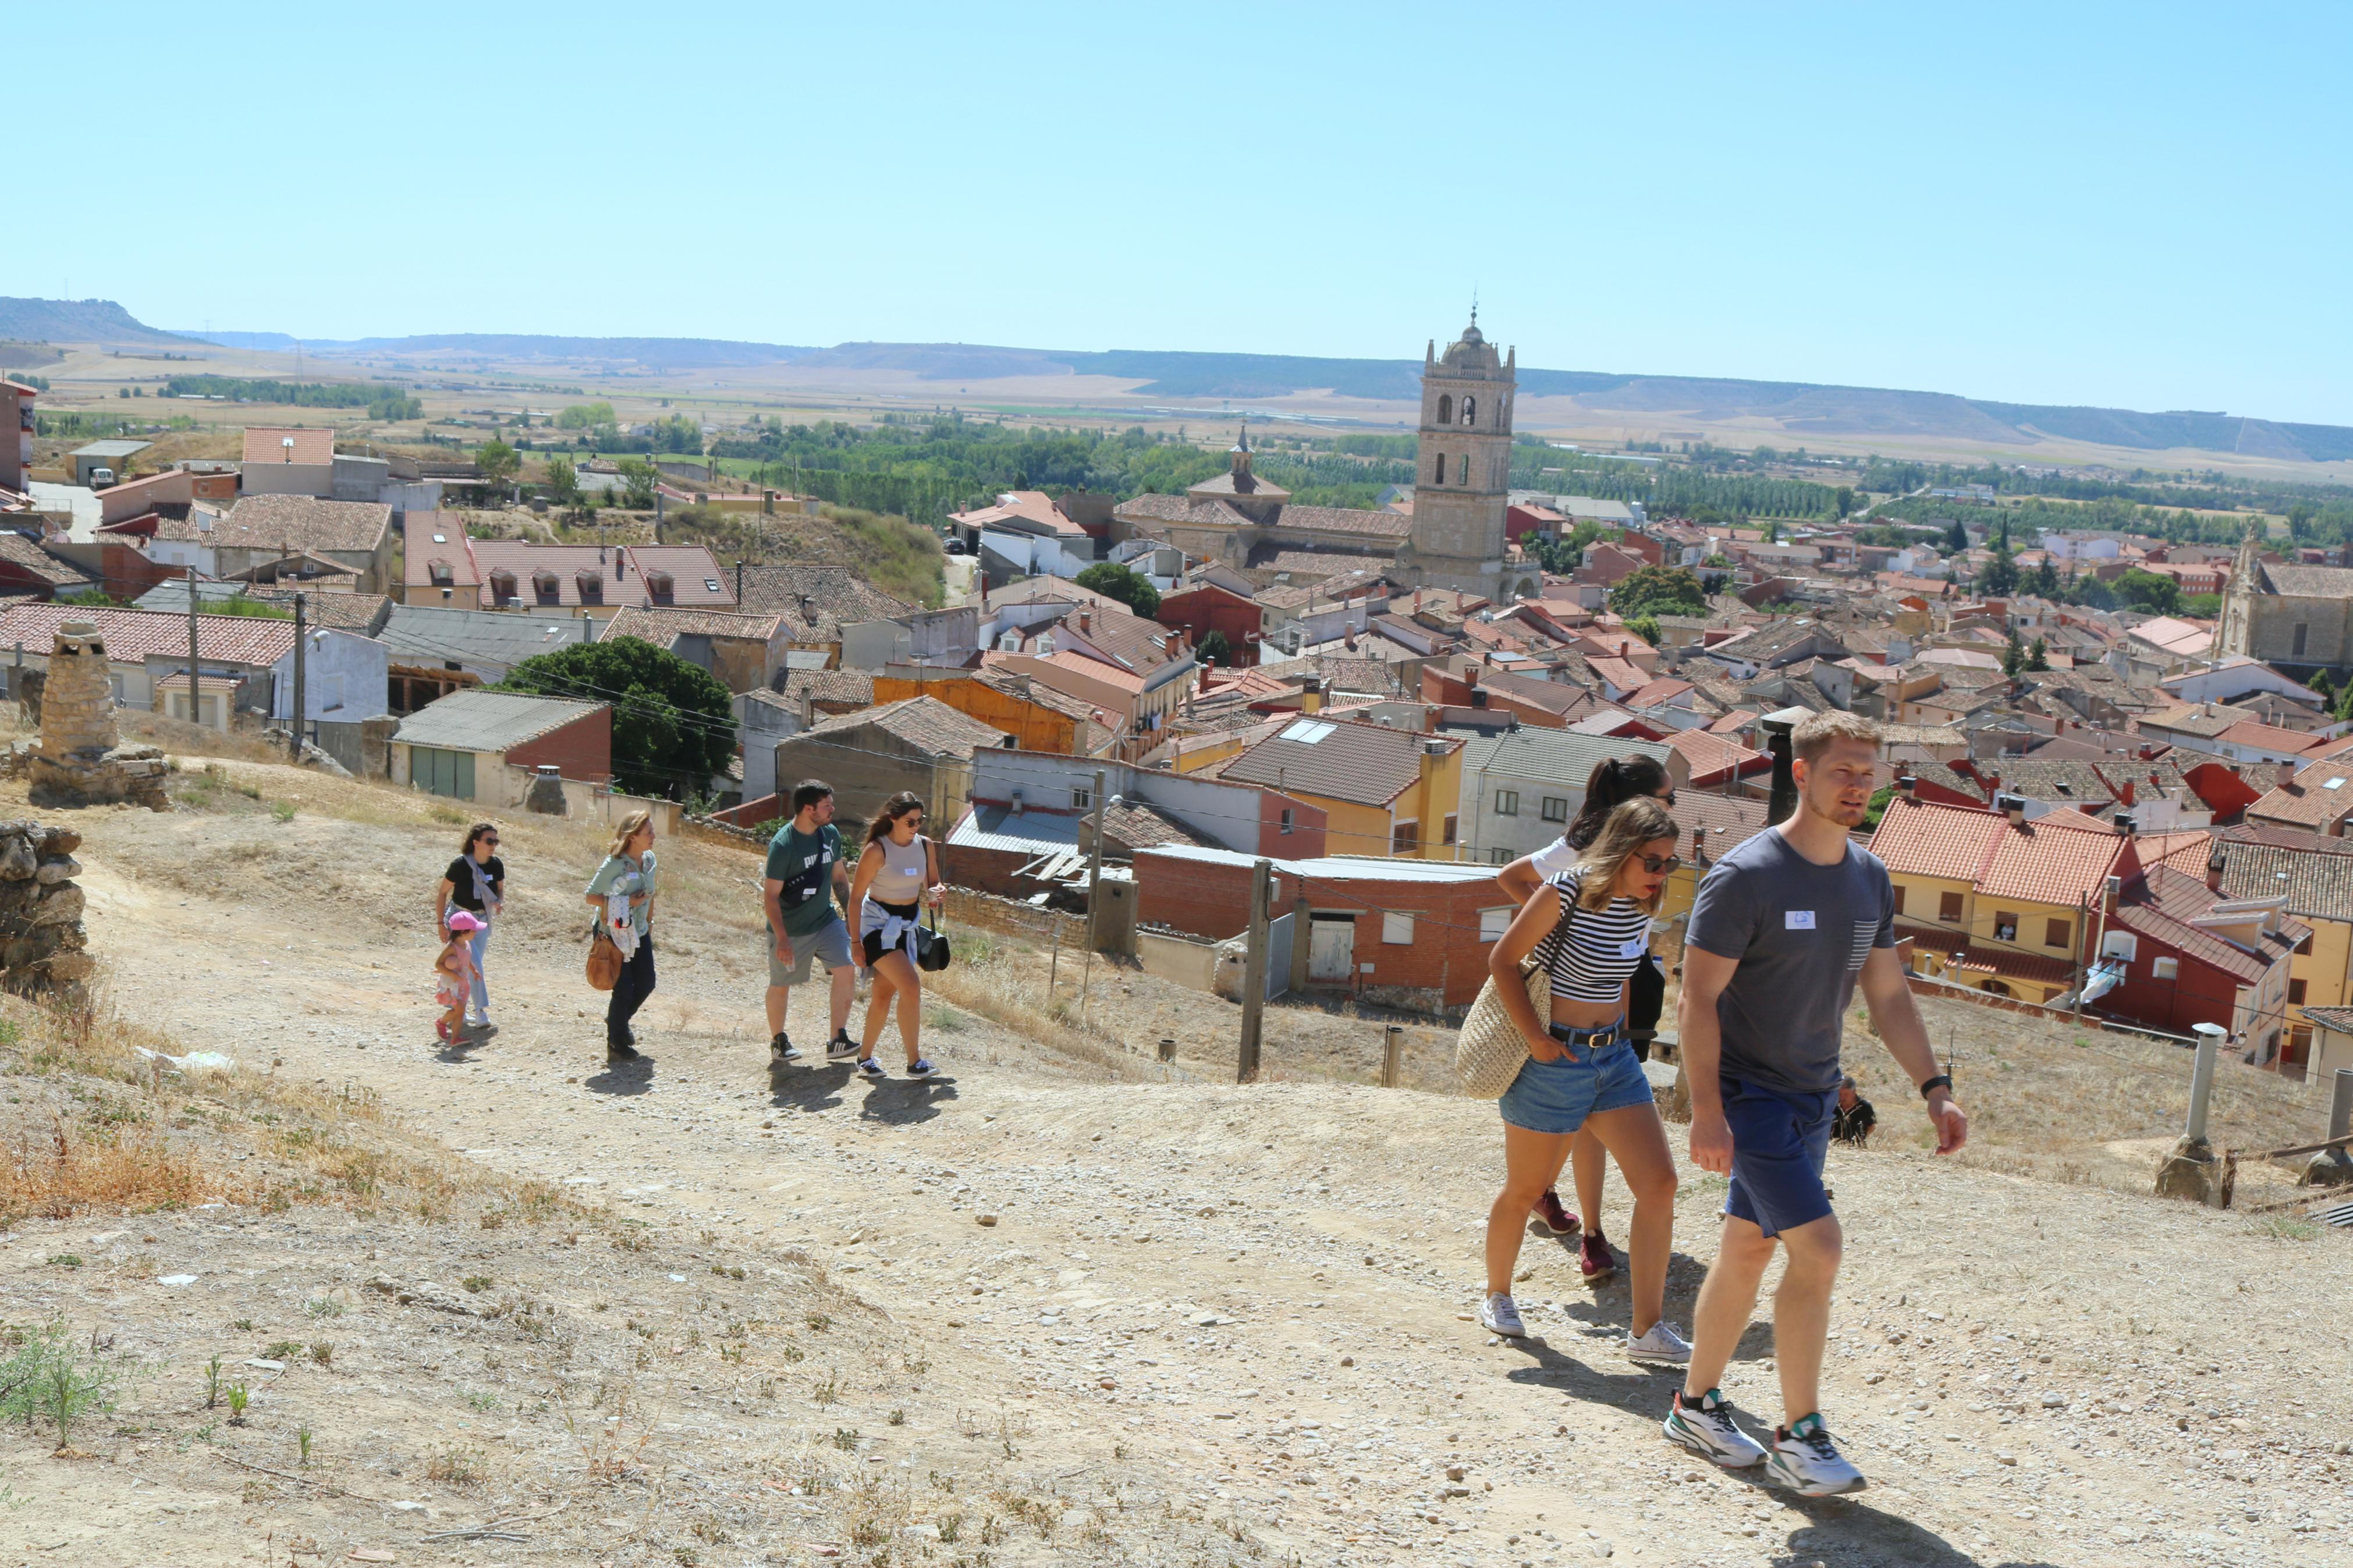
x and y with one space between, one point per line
1238 457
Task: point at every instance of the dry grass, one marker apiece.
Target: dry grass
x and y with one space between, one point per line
75 1168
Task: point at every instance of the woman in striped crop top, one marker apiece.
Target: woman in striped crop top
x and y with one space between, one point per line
1590 928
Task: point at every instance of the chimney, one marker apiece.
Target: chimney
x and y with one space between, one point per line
1417 601
1699 847
2286 773
1907 786
2125 823
2214 868
2126 798
2013 807
2111 893
1086 622
1348 639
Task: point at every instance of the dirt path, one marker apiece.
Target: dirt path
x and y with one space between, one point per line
1252 1305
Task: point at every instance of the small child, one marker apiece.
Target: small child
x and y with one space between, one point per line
454 970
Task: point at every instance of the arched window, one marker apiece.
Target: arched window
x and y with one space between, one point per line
1441 468
1463 465
1445 408
1470 411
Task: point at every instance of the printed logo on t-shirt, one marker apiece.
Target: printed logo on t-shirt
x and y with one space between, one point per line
1797 919
1635 947
1865 934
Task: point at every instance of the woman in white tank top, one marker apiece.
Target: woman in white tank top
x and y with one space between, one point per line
898 872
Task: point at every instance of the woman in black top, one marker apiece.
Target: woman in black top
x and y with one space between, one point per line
476 882
1616 779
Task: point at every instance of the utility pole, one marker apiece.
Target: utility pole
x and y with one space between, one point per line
2083 940
1095 895
1254 971
195 709
301 627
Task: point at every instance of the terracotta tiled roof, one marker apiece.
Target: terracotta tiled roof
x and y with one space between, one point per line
663 628
2317 885
2319 795
1381 524
132 635
924 722
835 594
1997 961
1139 826
684 575
28 557
2269 737
1367 765
2057 858
1710 755
265 444
849 688
1657 692
288 522
2162 906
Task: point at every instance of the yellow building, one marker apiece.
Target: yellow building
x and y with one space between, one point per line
1037 717
2319 886
1391 793
1996 902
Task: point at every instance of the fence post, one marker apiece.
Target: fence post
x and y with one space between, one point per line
2191 1170
1254 972
1167 1049
1094 894
1392 1054
2334 1167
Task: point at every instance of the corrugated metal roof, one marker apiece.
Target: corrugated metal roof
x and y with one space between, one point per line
477 721
1340 868
1030 833
416 632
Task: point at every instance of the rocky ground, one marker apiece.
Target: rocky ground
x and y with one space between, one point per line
1043 1310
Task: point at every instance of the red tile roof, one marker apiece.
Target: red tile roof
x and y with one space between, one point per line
267 444
1712 756
132 636
2162 908
2057 858
1998 960
2269 737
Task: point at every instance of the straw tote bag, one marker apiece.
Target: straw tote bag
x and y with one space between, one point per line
1490 1051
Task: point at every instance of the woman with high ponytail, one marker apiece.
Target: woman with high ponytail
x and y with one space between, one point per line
1613 781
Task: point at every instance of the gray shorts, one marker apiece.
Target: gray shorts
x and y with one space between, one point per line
829 942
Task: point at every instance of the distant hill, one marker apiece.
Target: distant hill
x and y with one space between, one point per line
99 321
1800 408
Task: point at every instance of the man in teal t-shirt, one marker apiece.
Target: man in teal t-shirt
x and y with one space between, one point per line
805 873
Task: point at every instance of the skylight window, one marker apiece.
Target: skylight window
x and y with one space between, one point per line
440 539
711 584
1307 731
2334 783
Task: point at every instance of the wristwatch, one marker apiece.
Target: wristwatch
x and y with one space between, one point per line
1942 1080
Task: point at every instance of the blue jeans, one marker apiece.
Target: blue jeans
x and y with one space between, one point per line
477 944
1780 1139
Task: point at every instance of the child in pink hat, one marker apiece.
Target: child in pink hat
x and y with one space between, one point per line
454 970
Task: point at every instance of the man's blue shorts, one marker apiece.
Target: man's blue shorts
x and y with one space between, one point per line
1556 1097
1779 1138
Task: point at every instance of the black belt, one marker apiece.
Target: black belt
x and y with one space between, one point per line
1608 1034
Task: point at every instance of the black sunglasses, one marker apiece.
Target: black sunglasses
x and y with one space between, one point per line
1661 865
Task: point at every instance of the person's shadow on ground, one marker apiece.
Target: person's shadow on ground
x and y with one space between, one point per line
459 1051
904 1101
1845 1530
626 1077
811 1089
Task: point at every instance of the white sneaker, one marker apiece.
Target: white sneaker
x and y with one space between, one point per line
1807 1460
1498 1315
1705 1426
1662 1346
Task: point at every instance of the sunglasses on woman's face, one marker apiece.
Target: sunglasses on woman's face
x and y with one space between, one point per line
1661 865
1667 800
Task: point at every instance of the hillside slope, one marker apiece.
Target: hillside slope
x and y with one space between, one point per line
1070 1315
99 321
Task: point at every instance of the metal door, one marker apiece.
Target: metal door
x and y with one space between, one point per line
1331 949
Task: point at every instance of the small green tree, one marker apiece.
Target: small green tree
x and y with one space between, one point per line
673 726
2001 572
1957 538
1115 581
563 482
2013 655
585 416
2039 656
1658 591
638 478
1644 627
1214 650
2149 591
2046 579
498 461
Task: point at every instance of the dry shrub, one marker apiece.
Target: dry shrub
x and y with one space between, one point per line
72 1169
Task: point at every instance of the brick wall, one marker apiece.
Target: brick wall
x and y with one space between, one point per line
580 749
1446 954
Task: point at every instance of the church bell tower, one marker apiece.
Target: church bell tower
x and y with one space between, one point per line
1462 483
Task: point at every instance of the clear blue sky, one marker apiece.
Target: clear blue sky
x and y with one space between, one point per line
2142 205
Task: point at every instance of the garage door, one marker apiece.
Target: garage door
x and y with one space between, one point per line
437 772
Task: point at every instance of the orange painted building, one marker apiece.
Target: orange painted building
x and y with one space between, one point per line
1037 717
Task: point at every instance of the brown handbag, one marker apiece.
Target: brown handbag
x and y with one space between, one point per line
604 960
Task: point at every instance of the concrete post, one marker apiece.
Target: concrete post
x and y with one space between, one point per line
2201 1079
1392 1054
2334 1167
2191 1171
1254 971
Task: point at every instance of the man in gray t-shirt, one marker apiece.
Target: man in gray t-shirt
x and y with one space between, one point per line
1801 933
1784 930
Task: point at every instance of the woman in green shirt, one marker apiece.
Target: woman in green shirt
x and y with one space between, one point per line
622 894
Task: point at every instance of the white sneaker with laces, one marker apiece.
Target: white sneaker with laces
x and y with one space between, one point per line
1705 1426
1662 1346
1805 1459
1500 1315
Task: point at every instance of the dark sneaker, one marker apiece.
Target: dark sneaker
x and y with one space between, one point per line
781 1048
620 1051
841 1048
871 1068
1804 1457
921 1068
1557 1219
1594 1259
1705 1426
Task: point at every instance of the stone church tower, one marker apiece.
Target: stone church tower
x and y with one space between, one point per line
1462 486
